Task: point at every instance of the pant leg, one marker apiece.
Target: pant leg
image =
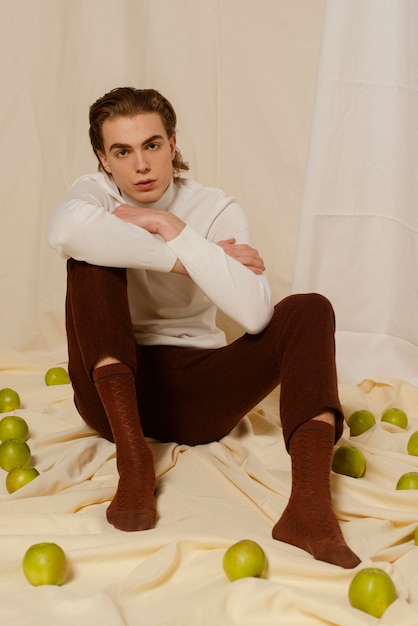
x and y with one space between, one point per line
195 396
191 395
309 383
98 324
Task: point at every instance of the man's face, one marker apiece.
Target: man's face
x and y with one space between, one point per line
138 154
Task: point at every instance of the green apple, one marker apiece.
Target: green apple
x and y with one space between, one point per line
9 400
20 476
13 427
349 460
45 564
57 376
416 536
372 590
360 421
412 445
244 559
408 481
13 453
395 416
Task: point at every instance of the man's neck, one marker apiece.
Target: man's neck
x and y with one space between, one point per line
162 203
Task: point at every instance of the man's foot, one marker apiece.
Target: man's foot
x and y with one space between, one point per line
309 521
323 540
132 508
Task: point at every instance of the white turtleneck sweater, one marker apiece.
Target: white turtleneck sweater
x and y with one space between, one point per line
167 308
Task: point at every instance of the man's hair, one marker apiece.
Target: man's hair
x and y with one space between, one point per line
127 102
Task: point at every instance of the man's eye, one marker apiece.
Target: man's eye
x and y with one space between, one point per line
153 146
121 153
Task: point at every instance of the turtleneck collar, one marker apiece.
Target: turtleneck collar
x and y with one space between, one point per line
162 204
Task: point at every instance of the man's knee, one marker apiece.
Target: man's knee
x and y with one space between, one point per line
308 305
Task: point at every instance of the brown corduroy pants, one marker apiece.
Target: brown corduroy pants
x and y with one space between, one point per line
192 395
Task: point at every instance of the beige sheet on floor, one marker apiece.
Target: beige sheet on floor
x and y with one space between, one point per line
208 497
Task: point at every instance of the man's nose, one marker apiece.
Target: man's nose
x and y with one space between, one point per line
141 162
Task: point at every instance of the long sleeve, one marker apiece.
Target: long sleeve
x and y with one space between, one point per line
236 290
82 227
211 217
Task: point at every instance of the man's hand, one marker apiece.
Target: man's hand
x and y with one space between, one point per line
243 253
157 222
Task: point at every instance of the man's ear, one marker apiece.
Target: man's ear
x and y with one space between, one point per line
104 162
173 145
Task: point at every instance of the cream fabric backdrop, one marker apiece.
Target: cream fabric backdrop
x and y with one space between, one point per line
241 76
358 241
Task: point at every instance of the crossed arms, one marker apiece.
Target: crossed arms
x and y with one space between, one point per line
169 226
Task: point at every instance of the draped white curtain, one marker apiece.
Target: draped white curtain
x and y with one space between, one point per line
358 233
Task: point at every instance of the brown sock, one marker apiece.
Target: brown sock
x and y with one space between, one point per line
308 521
133 507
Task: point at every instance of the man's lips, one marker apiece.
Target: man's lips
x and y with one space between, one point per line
145 184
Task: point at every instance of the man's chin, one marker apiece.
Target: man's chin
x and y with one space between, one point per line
145 197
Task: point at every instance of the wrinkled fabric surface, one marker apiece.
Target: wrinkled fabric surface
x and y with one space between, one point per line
208 498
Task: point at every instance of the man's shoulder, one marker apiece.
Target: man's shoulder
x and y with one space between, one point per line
191 187
96 181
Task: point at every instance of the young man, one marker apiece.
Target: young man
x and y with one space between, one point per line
151 256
